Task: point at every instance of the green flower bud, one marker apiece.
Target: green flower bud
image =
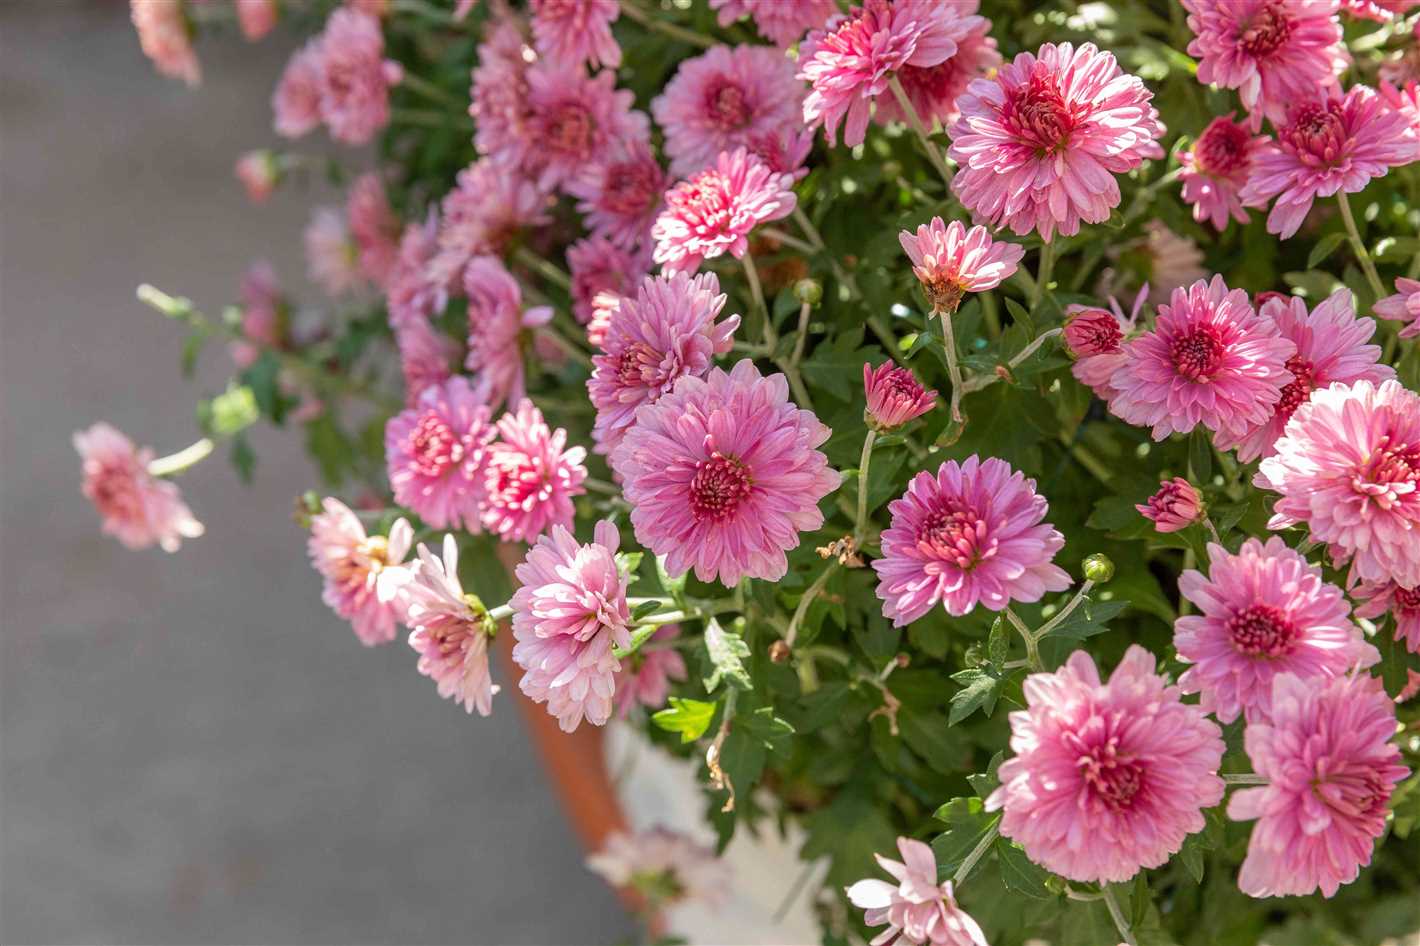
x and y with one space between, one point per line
809 291
1098 568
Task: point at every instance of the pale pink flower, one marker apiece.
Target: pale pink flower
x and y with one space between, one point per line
784 151
499 95
664 866
597 266
1262 612
1331 347
645 676
568 611
487 207
1107 778
934 90
1378 597
1175 506
724 99
498 327
723 473
1406 98
258 172
1404 306
1210 359
1381 10
296 101
949 260
530 477
138 508
895 396
573 32
915 909
1215 170
713 212
972 534
1274 52
364 574
332 258
166 38
620 194
435 454
782 22
355 78
450 629
1348 465
412 294
426 357
263 315
605 305
1096 338
1039 145
572 120
1326 752
374 228
666 331
1326 147
257 17
1411 688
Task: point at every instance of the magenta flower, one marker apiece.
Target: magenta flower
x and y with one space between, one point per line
497 329
1107 778
664 866
257 17
645 676
598 266
449 629
531 477
1175 506
1330 348
374 228
1348 465
1216 169
973 534
411 295
572 120
723 474
355 78
663 333
725 99
895 396
934 90
916 909
1404 306
782 22
1331 768
1095 339
489 205
296 101
1326 147
499 93
1039 145
364 574
332 259
166 38
1210 359
1402 603
435 451
620 194
1262 612
573 32
568 611
713 212
426 358
138 508
949 261
259 174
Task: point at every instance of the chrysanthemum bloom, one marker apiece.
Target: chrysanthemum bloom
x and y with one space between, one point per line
1326 753
1107 778
596 265
604 306
1215 170
332 259
263 315
713 212
426 357
1378 597
489 205
1380 10
1331 347
1039 145
973 534
166 40
256 17
258 172
1404 306
449 629
530 477
895 396
915 909
663 333
1274 52
355 77
1175 506
949 261
1326 147
934 90
435 453
364 574
1095 339
853 59
723 474
1406 97
296 101
497 328
499 91
568 611
1348 465
572 32
782 22
374 227
784 151
722 100
619 195
411 293
138 509
572 120
1210 359
663 866
645 676
1411 688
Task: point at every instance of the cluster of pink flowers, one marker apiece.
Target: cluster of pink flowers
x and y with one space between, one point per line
341 79
166 38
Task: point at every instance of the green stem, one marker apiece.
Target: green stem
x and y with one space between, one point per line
1074 603
1042 273
1363 256
802 337
920 130
571 348
1212 529
648 20
809 595
976 854
429 90
756 291
429 118
601 486
949 345
861 522
546 269
1033 660
789 241
1117 915
1245 778
175 463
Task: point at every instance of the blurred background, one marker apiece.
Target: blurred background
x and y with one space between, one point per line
193 749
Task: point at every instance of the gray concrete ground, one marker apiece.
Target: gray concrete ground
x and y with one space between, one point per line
192 749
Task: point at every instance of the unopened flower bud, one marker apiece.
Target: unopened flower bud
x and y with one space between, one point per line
1091 331
1098 568
809 291
1175 506
895 396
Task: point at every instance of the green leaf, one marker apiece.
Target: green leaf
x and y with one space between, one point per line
1396 661
980 688
1324 248
1200 456
764 727
727 652
998 644
263 377
985 782
1088 619
688 717
927 734
243 458
1020 873
191 349
674 587
329 447
645 609
967 824
1191 857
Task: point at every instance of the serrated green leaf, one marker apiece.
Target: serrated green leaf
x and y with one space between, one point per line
968 824
998 644
727 651
764 726
1200 456
1088 619
688 717
243 458
1191 857
1020 873
980 688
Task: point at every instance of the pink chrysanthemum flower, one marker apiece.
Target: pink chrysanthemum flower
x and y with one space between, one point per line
263 315
1331 768
664 867
851 61
620 195
497 329
1210 359
1039 145
604 306
499 91
1107 778
364 574
1402 603
723 100
973 534
355 77
645 676
1380 10
573 32
1175 506
784 151
572 120
296 101
411 294
949 260
713 212
426 358
723 473
489 205
435 453
138 508
895 396
449 629
1096 338
596 266
374 228
915 909
1331 347
1348 465
531 476
257 17
1406 98
568 611
663 333
332 258
166 40
1326 147
1274 52
1262 612
934 90
782 22
1404 306
1215 170
259 173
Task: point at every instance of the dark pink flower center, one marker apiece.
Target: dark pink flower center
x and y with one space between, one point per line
956 534
1391 473
1266 32
1406 600
1039 114
1223 148
631 188
1295 394
115 493
727 106
1113 778
1197 355
1093 332
518 481
1354 790
1261 630
569 129
1316 133
433 447
720 486
704 203
639 365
